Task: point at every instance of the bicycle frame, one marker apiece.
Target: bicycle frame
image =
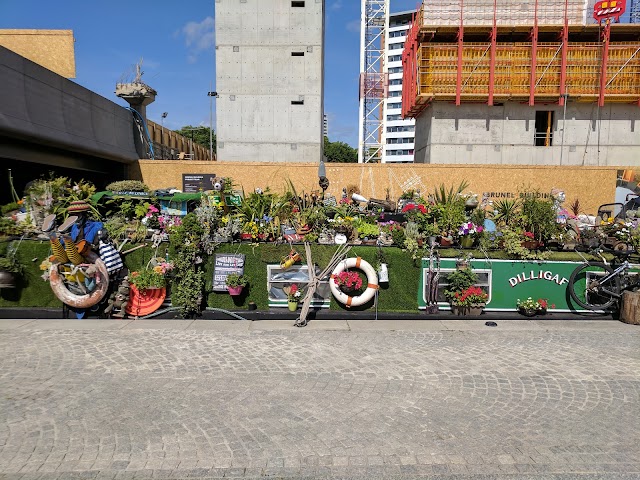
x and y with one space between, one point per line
622 268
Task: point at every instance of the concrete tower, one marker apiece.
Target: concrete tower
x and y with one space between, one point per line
269 78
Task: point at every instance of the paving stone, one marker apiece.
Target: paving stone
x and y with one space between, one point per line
145 403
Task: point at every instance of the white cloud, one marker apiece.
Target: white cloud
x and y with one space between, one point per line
354 26
199 37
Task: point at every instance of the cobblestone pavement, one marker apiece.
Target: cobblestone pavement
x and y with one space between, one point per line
166 403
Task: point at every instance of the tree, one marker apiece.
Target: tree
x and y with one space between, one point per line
199 135
339 152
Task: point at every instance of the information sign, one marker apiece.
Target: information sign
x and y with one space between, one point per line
226 264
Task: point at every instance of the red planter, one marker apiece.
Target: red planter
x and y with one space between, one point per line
246 236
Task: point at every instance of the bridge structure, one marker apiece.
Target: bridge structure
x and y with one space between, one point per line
49 123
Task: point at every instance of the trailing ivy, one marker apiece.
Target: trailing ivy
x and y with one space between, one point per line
189 276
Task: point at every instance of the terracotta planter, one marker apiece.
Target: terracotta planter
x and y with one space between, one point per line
445 242
293 306
235 290
470 310
531 245
246 236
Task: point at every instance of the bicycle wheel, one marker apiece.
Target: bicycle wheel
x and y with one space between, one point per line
589 291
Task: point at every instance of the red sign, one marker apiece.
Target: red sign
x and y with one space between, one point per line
607 9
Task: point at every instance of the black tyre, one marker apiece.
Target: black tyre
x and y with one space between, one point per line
587 289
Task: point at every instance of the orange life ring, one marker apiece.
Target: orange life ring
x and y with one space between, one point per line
56 280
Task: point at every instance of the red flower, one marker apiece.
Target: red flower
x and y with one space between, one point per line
529 235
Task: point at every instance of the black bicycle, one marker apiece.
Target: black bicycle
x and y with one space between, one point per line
599 286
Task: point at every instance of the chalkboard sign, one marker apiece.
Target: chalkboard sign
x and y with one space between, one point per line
226 263
194 183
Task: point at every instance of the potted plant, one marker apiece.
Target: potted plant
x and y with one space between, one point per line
459 282
467 232
470 301
528 307
381 266
235 283
147 279
293 296
10 270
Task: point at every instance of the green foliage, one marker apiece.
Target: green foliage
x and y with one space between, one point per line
339 152
512 244
459 281
451 196
9 207
10 264
236 280
538 216
398 236
506 212
199 135
368 230
147 278
127 186
189 261
9 227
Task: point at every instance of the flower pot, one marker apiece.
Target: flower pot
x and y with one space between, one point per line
458 310
467 242
235 290
7 279
530 244
476 309
527 312
541 311
246 236
293 306
445 242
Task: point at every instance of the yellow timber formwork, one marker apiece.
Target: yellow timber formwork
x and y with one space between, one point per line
437 71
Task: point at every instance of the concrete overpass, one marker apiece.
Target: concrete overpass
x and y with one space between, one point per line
49 123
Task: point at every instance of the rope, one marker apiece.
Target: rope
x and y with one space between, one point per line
314 280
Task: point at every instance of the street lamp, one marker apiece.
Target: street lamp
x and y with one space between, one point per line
164 115
191 129
211 94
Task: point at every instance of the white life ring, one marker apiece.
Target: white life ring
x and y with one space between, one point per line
372 282
80 301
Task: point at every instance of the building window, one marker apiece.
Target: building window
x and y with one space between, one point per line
395 70
297 102
391 118
297 54
395 94
395 58
395 81
544 128
401 128
394 105
297 4
399 33
396 46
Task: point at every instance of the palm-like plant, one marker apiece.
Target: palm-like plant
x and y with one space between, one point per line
506 211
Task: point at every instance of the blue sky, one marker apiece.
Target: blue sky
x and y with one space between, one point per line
176 41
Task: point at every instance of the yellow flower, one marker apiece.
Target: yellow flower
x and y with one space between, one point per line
157 269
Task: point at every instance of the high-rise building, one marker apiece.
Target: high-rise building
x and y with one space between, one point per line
522 82
635 11
398 133
269 79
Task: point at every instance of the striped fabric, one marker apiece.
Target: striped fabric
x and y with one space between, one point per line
58 250
72 252
110 257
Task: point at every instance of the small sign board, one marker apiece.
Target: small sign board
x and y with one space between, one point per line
226 263
606 9
194 183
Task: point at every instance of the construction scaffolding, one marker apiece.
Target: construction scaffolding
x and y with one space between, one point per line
374 80
635 11
452 63
508 12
